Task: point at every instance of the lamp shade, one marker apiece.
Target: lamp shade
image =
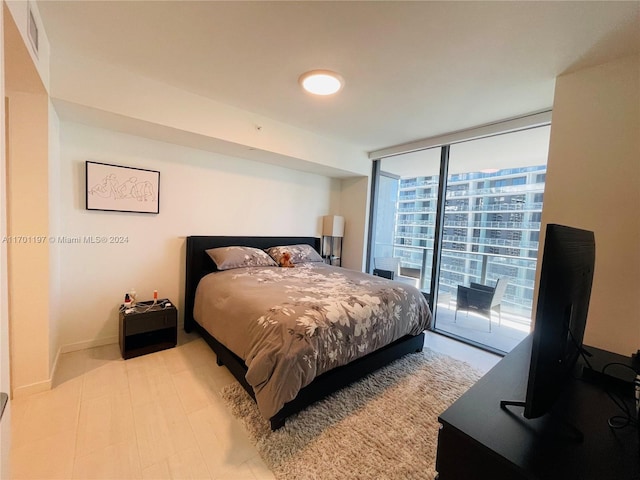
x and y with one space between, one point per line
333 226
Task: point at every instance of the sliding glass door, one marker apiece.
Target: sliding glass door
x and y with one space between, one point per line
493 205
405 216
488 216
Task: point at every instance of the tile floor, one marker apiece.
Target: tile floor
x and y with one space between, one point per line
152 417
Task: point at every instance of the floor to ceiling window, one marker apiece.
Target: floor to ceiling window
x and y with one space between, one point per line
405 216
489 222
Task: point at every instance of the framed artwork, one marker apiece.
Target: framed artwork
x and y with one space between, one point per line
122 189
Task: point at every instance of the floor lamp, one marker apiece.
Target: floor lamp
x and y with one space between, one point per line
332 233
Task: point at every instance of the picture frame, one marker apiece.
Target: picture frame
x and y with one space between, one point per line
121 189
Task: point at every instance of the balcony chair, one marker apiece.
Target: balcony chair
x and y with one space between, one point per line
481 299
389 267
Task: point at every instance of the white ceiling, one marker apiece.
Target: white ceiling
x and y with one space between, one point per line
412 69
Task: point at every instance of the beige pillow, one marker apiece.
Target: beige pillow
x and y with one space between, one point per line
227 258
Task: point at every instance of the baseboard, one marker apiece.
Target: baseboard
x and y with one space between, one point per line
45 385
27 390
54 367
74 347
37 387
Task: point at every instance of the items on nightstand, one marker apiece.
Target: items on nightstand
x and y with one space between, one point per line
155 301
148 327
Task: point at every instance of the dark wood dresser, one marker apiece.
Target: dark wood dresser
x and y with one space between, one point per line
480 440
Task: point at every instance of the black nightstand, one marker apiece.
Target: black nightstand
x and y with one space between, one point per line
146 328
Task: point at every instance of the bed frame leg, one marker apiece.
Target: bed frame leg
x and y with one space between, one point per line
276 423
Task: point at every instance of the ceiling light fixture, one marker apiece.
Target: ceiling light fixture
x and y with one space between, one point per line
321 82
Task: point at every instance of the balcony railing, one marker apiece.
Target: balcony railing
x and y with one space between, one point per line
494 225
464 177
417 196
414 235
467 224
500 207
419 183
458 267
507 207
527 188
414 210
491 241
416 222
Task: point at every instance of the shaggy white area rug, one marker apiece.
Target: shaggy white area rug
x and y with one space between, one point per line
384 426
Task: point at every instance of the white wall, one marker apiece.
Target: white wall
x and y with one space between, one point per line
27 224
202 193
54 230
5 386
593 182
354 206
25 202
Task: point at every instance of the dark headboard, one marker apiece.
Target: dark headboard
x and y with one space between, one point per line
199 264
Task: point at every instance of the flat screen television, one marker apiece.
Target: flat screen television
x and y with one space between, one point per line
568 263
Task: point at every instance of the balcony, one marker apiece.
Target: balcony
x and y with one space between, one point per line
511 258
503 336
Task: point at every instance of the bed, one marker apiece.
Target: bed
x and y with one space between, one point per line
323 355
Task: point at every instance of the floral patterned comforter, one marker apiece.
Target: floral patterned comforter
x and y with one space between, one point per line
290 325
